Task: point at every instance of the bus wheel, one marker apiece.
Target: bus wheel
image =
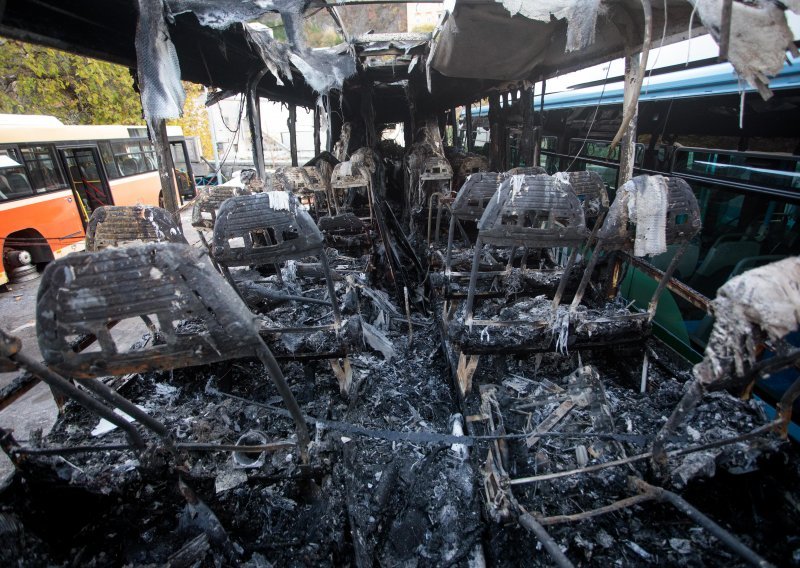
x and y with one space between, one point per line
19 266
22 252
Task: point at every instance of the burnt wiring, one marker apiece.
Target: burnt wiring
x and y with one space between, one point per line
591 124
236 132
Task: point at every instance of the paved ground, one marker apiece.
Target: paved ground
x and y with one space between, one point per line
36 410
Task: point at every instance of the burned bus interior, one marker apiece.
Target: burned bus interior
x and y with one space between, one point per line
441 354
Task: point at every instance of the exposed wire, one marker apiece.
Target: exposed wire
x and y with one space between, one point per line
235 139
591 124
636 88
689 34
238 124
660 47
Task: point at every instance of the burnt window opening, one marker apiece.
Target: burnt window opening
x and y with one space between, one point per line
290 234
537 219
681 218
509 219
263 238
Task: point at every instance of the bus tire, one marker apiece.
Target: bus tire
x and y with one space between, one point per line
30 241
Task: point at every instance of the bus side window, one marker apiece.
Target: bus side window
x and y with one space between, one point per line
45 175
148 157
108 160
13 178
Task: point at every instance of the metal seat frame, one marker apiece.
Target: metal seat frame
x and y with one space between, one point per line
86 293
511 218
617 234
122 225
251 231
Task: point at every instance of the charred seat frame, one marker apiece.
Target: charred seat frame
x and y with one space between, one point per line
255 230
84 293
115 225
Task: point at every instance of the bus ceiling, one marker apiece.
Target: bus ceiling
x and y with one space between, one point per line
478 47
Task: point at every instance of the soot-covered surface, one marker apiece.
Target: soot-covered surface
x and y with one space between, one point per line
359 499
381 501
749 487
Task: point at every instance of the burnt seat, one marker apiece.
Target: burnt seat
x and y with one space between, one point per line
206 205
682 221
537 211
619 231
469 204
269 229
474 195
306 183
316 179
86 293
351 194
83 293
465 165
350 174
264 228
533 212
536 325
591 192
115 226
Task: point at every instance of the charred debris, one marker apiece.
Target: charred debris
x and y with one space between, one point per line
416 359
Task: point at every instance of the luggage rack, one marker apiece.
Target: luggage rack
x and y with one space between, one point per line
117 225
272 228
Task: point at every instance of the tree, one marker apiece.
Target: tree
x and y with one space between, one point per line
75 89
81 90
194 121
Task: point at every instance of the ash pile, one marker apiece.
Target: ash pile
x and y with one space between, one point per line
574 456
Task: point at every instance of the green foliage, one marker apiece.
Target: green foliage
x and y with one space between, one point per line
321 36
75 89
424 28
275 23
194 121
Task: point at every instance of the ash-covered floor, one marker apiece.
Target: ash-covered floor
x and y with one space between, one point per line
385 484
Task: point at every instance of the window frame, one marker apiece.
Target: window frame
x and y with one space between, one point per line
58 168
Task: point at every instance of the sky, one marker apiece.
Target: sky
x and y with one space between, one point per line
703 47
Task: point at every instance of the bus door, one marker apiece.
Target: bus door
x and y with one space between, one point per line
87 178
